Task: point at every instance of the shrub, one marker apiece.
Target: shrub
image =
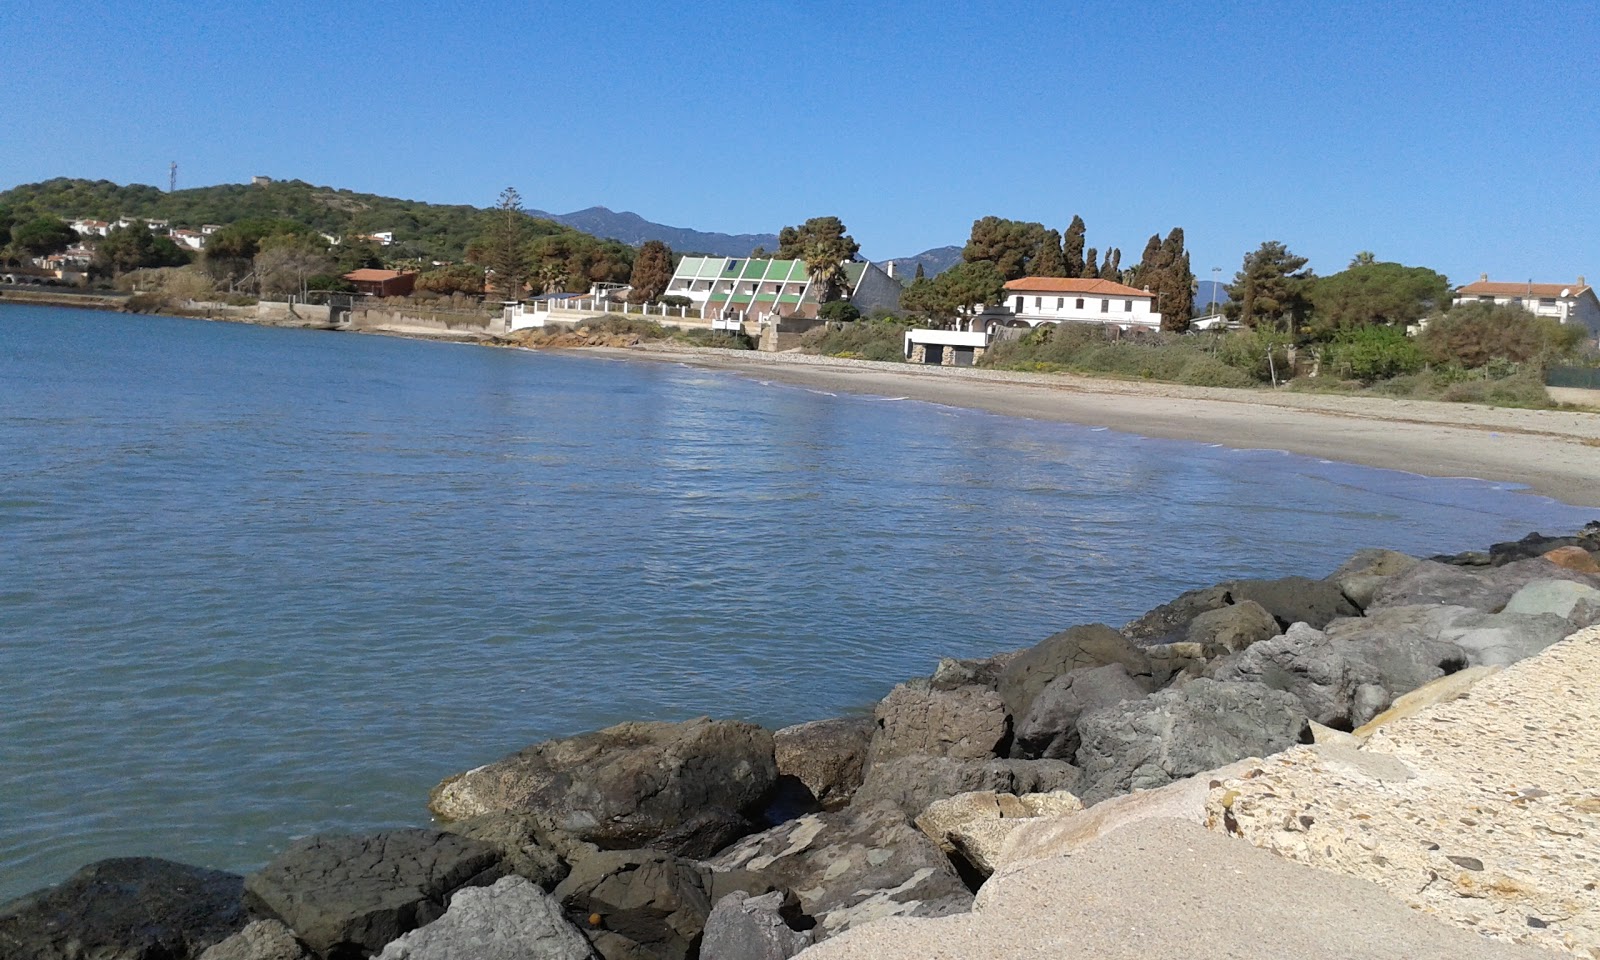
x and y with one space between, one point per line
862 339
1474 334
1371 353
673 300
722 339
621 323
838 311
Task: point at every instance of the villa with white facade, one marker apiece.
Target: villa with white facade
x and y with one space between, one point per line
1036 300
1566 302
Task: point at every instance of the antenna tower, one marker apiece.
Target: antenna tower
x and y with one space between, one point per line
172 177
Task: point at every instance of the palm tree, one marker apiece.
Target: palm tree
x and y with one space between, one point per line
1365 258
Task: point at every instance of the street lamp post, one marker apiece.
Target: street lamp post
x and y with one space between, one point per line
1215 273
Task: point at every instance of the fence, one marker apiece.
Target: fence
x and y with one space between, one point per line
1573 378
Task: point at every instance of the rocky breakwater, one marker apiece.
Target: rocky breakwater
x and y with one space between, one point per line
722 840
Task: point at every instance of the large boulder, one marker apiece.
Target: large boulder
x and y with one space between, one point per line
1537 545
260 940
1075 648
825 757
348 896
1406 647
688 788
912 783
973 826
1501 639
982 671
1176 733
1577 603
1486 589
1289 600
852 866
128 908
1050 729
646 904
1360 577
510 920
964 723
1575 558
525 848
1336 686
742 927
1232 628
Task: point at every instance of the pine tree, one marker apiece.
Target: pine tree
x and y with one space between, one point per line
652 271
1270 289
1090 270
503 249
1072 248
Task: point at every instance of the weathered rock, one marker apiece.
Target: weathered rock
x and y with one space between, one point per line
1360 577
1574 558
827 757
348 896
1504 638
645 904
852 866
1577 603
1289 600
983 672
912 783
964 723
1175 733
1537 545
128 908
688 788
1407 646
1336 686
259 940
524 846
742 927
1486 589
1075 648
1232 628
944 816
1442 690
1050 730
511 920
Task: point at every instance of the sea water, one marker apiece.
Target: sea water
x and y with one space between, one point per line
259 583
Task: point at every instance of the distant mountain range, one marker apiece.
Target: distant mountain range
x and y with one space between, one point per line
1203 291
630 228
933 262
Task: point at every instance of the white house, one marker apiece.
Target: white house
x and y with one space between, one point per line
1566 302
97 228
1037 300
193 239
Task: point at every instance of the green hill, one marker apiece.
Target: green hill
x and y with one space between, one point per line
428 230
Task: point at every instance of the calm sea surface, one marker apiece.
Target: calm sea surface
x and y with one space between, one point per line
258 583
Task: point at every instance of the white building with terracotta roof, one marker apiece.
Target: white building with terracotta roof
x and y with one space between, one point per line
1037 300
1566 302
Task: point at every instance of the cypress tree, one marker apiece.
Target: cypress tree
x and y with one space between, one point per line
1112 268
1090 271
1175 283
1072 248
921 273
1048 262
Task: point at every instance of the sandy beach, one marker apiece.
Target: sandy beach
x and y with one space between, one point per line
1555 453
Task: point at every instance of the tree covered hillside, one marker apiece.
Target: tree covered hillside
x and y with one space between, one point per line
422 230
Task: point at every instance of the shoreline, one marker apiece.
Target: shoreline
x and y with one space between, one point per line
1552 453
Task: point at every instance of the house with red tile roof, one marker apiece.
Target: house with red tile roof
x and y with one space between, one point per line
382 283
1566 302
1036 300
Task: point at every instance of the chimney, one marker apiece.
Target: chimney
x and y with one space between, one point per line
888 267
1580 281
1483 278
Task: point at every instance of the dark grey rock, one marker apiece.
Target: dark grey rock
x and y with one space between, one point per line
1487 589
983 672
1050 731
349 896
742 927
1169 623
1232 628
912 783
1075 648
523 844
1289 600
687 788
1537 545
964 723
852 866
1405 646
259 940
1335 685
1182 731
128 908
1366 571
511 920
646 904
827 757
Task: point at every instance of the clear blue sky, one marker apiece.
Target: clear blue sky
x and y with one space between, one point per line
1461 136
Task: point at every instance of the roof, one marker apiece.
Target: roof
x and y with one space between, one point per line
372 276
1073 285
1491 288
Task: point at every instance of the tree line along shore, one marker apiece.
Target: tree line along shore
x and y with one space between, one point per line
1226 707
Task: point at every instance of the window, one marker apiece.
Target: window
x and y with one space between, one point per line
1060 302
1486 299
1127 306
1547 301
1080 303
1019 304
1105 306
1038 303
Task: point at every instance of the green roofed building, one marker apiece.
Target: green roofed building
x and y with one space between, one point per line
744 290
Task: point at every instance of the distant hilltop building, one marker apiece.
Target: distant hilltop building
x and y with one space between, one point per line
260 181
1566 302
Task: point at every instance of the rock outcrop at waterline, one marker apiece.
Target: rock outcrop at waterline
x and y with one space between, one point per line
721 840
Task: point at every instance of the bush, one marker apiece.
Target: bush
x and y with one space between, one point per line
862 340
623 324
722 339
1092 349
1372 353
1476 333
838 311
673 300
